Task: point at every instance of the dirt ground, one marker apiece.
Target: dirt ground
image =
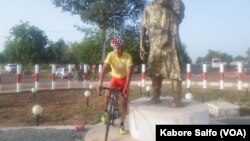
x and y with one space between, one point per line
60 107
71 107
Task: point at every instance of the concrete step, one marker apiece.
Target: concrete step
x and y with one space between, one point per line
219 108
97 132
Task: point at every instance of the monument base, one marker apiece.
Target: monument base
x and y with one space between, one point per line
143 116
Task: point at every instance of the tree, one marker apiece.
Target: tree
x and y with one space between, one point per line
226 57
131 39
25 44
2 59
185 58
199 61
216 54
248 56
106 14
56 52
89 51
75 49
239 58
211 55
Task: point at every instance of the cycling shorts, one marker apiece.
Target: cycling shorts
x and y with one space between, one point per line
118 82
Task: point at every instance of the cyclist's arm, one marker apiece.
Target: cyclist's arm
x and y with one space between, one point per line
105 69
129 70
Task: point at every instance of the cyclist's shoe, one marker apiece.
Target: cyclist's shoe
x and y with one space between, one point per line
104 117
122 130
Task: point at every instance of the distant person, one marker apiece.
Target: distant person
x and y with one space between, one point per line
161 21
93 72
120 64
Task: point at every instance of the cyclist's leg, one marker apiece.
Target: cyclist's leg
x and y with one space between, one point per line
124 109
123 114
113 83
122 83
106 100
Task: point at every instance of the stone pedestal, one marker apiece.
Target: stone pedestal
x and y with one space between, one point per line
144 116
223 109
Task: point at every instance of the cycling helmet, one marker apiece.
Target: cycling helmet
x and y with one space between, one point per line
116 42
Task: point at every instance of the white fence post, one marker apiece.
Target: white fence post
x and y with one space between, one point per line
85 75
221 76
69 76
18 79
240 76
143 75
188 76
204 76
37 77
99 70
53 77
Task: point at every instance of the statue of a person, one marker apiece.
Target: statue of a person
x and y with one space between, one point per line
160 23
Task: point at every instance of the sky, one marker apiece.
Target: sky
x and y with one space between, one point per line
219 25
42 14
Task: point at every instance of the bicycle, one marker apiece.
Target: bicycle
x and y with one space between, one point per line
113 107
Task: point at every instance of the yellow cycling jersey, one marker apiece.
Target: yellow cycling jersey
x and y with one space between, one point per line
118 64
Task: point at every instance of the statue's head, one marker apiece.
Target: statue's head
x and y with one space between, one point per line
160 1
164 2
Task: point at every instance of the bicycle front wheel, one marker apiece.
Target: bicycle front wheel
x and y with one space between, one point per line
110 120
111 112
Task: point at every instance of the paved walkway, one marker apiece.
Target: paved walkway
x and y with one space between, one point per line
42 133
90 133
97 132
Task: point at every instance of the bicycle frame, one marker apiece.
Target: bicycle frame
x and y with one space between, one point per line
112 108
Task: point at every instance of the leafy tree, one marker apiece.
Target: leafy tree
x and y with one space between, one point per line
131 39
25 45
239 58
75 49
211 54
216 54
199 61
89 50
226 57
49 53
2 59
248 56
185 58
56 52
106 14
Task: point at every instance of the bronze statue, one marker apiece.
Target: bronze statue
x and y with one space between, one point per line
160 22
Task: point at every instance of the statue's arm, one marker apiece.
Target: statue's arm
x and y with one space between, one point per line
142 38
142 43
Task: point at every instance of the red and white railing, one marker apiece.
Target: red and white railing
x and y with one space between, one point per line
203 82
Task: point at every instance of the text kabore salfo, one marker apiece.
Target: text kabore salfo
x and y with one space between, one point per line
207 132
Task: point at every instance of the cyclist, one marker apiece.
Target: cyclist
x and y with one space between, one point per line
120 64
